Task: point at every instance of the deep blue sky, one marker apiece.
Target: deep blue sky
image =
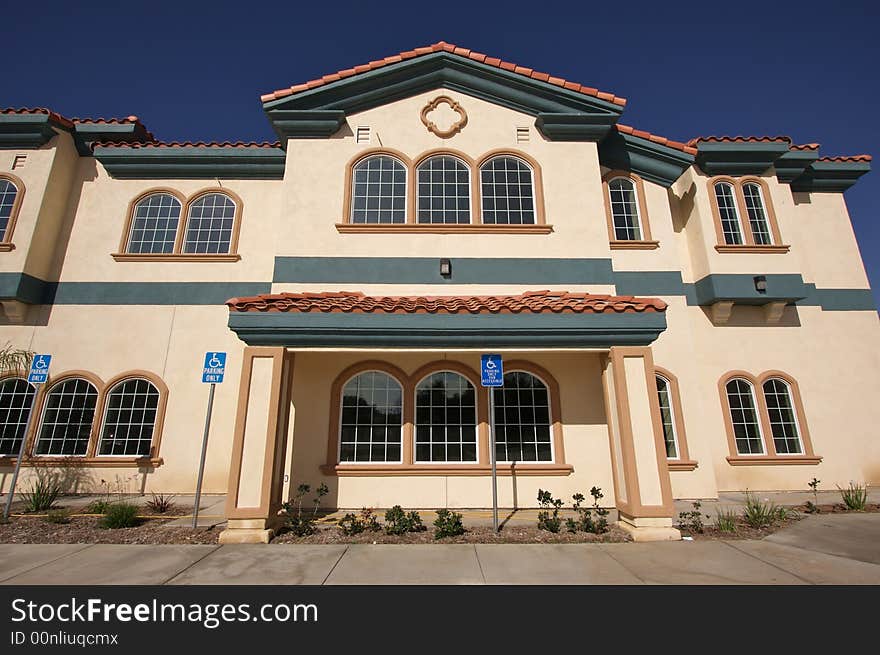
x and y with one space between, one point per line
195 70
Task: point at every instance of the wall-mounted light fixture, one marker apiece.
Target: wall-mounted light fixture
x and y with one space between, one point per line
760 283
445 268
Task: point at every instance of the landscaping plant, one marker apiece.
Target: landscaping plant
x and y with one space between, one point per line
120 515
813 505
548 519
758 514
600 523
855 496
725 520
58 516
399 522
299 524
160 503
42 494
692 521
101 505
448 524
352 524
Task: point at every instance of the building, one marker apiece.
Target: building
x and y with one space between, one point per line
675 319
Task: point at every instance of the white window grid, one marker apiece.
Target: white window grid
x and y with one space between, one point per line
16 395
446 419
444 191
783 419
68 414
209 224
625 210
730 224
379 191
522 419
371 419
507 192
667 417
744 417
129 418
8 194
757 214
154 224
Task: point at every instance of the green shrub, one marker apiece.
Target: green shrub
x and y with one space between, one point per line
448 524
42 494
160 503
399 522
758 514
120 515
855 496
725 520
548 518
692 521
58 516
812 506
97 507
298 523
352 524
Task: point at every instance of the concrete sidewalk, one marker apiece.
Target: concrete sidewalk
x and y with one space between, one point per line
825 549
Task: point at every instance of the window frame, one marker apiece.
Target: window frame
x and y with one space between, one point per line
474 201
350 170
178 255
749 245
477 435
22 376
158 423
6 244
683 462
46 390
341 408
550 414
646 242
534 171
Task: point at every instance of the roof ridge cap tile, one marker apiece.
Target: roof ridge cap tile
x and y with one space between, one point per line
662 140
738 138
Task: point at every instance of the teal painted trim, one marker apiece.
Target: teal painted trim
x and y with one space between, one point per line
574 126
739 158
192 162
793 163
652 161
740 288
305 124
840 300
26 288
830 176
649 283
426 270
85 134
295 329
25 130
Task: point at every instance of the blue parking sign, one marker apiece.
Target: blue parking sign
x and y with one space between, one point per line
39 372
215 367
491 371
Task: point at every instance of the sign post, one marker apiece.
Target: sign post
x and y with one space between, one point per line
492 376
212 373
38 375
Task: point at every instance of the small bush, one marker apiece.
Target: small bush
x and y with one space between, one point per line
160 503
548 519
97 507
855 496
758 514
42 494
352 524
298 523
399 522
58 516
448 524
692 521
120 515
725 521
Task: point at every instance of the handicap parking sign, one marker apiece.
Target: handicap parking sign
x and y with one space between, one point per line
215 367
491 371
39 372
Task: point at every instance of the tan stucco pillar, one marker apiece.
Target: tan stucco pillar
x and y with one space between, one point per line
638 454
259 443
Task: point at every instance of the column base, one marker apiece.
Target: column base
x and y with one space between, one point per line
245 536
649 529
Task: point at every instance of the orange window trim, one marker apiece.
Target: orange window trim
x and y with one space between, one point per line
6 244
646 242
749 245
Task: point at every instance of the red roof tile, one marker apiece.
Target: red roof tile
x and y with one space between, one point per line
626 129
806 146
534 302
850 158
58 118
737 139
446 47
188 144
70 122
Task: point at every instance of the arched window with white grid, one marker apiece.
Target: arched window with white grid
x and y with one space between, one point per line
130 414
625 213
68 414
782 417
744 417
522 419
209 224
446 419
507 191
16 395
154 223
371 419
731 228
378 192
8 203
754 199
443 191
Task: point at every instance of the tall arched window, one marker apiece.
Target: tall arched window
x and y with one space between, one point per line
757 214
744 417
209 224
625 214
522 419
444 190
446 419
507 191
129 418
16 396
783 420
68 414
378 190
667 417
9 197
372 417
731 227
154 224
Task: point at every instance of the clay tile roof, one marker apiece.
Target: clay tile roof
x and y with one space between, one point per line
850 158
58 118
188 144
626 129
442 46
534 302
805 146
738 139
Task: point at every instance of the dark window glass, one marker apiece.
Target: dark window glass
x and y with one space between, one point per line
372 414
67 418
624 210
8 193
16 396
444 191
667 417
209 224
154 224
446 419
783 423
379 191
508 197
130 418
744 418
522 419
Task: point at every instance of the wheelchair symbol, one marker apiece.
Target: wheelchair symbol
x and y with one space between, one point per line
490 364
40 363
214 362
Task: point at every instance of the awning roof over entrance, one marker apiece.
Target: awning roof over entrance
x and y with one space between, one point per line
531 319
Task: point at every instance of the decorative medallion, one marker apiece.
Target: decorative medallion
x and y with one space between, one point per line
447 117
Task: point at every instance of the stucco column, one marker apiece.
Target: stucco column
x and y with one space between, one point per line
259 443
638 454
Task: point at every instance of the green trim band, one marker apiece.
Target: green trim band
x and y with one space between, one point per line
653 161
192 162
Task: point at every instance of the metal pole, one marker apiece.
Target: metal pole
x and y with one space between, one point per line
24 436
202 461
492 456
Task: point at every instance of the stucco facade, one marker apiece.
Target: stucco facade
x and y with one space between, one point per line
795 308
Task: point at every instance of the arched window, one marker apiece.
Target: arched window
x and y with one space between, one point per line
444 190
8 205
507 191
379 191
209 224
129 418
154 224
522 419
372 416
783 420
744 417
68 414
754 199
667 417
446 419
16 396
625 213
727 211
